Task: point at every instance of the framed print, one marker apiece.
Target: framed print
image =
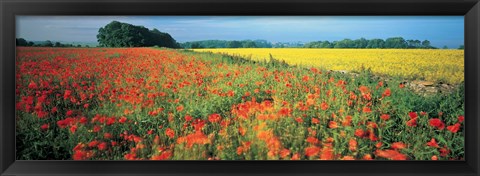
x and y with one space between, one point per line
239 87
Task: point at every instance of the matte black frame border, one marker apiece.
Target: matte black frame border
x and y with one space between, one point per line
9 8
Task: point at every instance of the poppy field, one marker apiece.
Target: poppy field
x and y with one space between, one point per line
167 104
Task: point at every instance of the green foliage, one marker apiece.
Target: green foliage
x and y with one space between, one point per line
47 43
394 42
227 44
117 34
21 42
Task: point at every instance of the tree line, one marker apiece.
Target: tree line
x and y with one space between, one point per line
47 43
227 44
394 42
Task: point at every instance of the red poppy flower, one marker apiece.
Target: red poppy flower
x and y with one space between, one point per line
412 122
367 110
69 113
433 143
324 106
73 128
352 145
387 93
359 133
214 118
444 151
67 94
188 118
300 120
102 146
180 108
454 128
122 119
412 115
111 121
391 154
32 85
385 116
332 124
437 123
93 144
44 127
312 140
398 145
107 135
170 133
312 151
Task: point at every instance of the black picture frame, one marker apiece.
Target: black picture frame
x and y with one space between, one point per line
468 8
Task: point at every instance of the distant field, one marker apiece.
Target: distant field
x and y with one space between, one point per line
420 64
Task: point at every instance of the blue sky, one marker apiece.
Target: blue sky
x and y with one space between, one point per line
440 30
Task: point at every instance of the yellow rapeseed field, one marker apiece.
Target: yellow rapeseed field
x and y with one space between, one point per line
421 64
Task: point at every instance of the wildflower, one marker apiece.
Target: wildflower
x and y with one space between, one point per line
312 140
444 151
180 108
214 118
170 133
102 146
454 128
437 123
385 117
44 127
352 145
312 151
367 110
433 143
412 115
398 145
412 122
32 85
359 133
122 119
332 124
387 93
107 135
324 106
391 154
461 118
73 128
188 118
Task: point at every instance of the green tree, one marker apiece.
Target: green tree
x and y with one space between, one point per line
361 43
117 34
376 43
21 42
249 44
426 44
195 45
395 42
345 43
48 43
234 44
58 44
